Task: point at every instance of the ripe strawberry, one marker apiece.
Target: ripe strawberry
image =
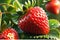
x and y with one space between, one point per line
10 34
53 6
35 21
0 36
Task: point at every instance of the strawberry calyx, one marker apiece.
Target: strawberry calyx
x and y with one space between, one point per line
29 5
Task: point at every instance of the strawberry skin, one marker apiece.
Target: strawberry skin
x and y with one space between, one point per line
35 21
53 6
10 34
0 36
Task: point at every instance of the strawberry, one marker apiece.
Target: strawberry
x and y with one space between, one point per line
10 34
35 21
53 6
0 36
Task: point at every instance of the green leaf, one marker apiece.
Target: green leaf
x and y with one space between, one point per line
5 1
20 13
53 16
7 19
2 9
38 2
18 5
11 10
53 23
15 19
15 4
54 33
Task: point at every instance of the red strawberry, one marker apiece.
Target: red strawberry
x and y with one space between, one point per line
0 36
10 34
53 6
35 21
